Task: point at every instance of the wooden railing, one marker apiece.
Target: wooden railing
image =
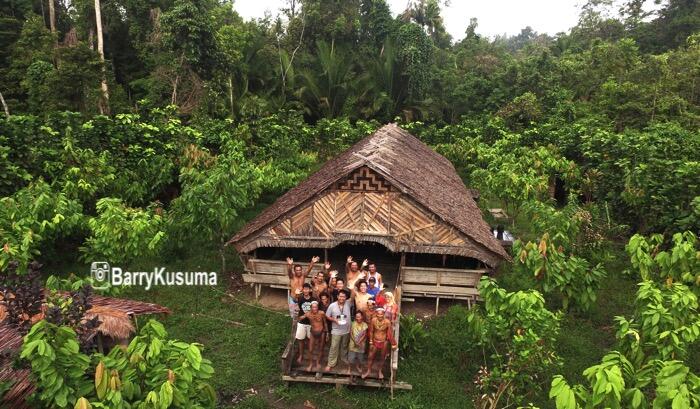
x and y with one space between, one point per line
431 282
394 359
272 273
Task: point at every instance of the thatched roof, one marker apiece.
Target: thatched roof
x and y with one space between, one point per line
113 323
410 166
115 316
131 307
22 387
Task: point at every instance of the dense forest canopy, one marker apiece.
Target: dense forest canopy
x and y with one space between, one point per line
618 96
137 130
350 59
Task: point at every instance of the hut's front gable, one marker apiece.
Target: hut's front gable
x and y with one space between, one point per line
366 207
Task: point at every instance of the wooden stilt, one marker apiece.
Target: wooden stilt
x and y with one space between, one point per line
437 305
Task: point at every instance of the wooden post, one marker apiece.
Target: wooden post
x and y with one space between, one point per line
257 287
437 305
402 263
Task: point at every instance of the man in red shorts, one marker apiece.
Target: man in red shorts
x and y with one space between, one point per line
380 336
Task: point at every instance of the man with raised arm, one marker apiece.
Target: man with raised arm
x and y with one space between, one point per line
296 282
353 272
319 334
380 335
303 334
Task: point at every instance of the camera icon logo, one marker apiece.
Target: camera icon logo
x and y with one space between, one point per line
100 272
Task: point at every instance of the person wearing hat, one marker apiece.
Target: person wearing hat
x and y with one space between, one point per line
319 333
303 332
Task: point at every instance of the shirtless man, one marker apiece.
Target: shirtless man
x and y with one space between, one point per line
353 272
319 284
380 336
360 297
319 335
374 274
296 282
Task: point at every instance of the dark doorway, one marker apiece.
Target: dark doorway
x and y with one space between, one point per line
386 261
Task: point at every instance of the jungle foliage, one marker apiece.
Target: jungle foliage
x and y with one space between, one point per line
197 119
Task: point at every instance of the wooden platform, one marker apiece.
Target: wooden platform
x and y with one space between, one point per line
341 374
345 380
341 369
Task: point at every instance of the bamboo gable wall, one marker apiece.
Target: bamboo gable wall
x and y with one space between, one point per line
366 207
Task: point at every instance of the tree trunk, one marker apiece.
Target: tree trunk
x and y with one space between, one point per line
230 95
91 38
4 106
222 252
52 24
173 96
104 106
52 16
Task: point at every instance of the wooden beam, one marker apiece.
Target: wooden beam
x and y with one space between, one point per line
346 381
349 213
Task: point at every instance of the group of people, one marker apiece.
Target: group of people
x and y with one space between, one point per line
344 313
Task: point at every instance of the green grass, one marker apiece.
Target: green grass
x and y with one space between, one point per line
246 357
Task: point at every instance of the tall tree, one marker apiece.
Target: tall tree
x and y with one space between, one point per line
52 16
4 106
325 91
104 102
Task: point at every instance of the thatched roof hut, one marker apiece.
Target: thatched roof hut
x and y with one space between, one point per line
114 323
115 315
389 188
